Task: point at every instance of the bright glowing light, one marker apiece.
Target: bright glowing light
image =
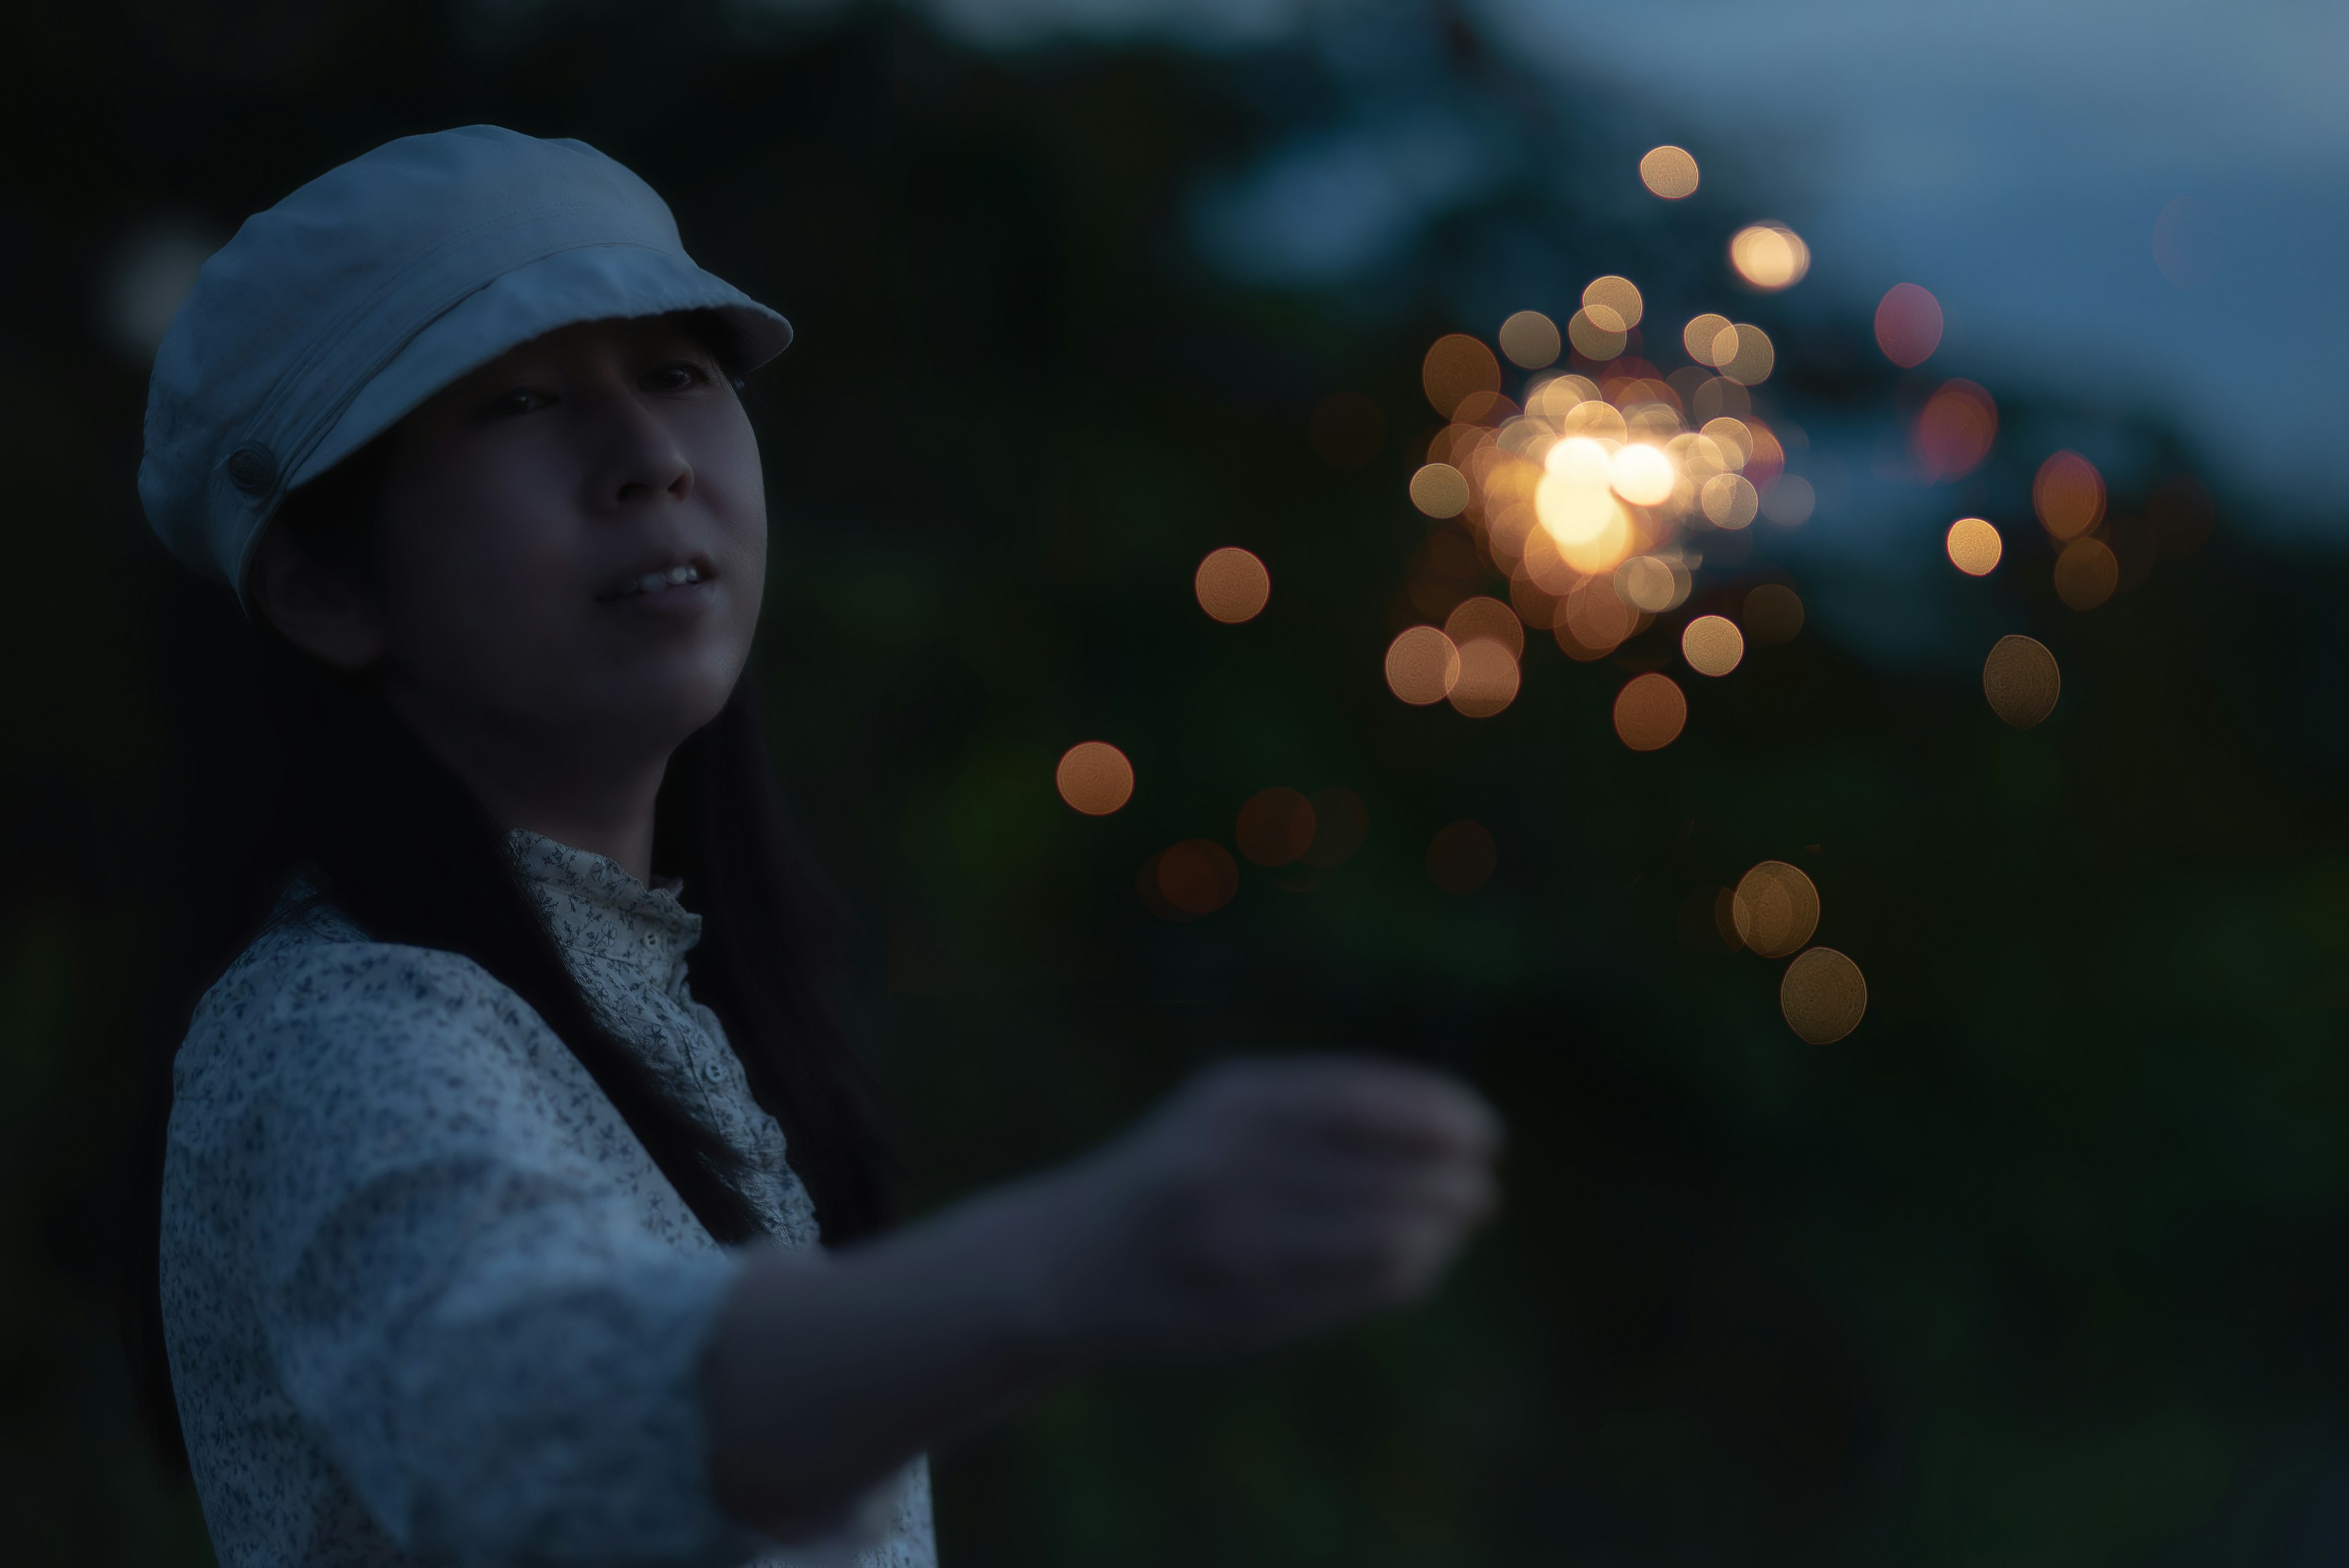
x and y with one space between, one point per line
1613 304
1423 665
1974 546
1530 339
1095 777
1457 366
1770 256
1649 711
1822 995
2068 494
2021 680
1644 476
1908 325
1701 334
1773 614
1232 584
1591 340
1953 430
1486 618
1276 826
1461 858
1488 678
1713 645
1775 908
1729 500
1440 489
1670 173
2087 573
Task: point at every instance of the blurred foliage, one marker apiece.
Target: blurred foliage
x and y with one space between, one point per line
2042 1265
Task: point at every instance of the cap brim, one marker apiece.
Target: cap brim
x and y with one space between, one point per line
592 283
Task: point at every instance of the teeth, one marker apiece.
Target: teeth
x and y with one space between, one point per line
654 582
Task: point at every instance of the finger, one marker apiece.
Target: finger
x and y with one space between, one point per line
1462 1187
1430 1114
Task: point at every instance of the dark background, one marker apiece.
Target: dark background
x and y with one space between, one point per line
2043 1263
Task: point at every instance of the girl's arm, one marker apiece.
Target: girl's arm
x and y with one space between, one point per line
1268 1199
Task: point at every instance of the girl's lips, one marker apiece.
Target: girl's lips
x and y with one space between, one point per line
678 601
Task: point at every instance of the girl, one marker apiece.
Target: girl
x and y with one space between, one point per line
513 1209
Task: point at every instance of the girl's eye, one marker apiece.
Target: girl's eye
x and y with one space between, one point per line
521 400
677 376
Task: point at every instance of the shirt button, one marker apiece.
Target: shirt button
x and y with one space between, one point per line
713 1072
652 940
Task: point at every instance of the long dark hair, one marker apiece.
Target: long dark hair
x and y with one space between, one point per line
392 838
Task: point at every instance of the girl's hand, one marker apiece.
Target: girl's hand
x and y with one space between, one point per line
1265 1199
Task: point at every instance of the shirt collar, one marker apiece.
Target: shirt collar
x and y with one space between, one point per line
595 908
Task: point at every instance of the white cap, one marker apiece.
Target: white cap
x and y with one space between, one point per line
340 309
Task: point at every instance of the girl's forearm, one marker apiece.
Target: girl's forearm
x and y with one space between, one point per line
826 1371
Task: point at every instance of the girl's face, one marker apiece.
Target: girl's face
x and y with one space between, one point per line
524 508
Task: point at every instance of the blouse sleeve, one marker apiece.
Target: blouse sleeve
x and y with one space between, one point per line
470 1311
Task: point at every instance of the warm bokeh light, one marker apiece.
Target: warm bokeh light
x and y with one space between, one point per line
1461 858
2021 680
1613 304
1649 711
1669 172
1789 501
1773 614
1974 546
1341 822
1594 421
1530 339
1487 618
1745 355
1729 500
1650 583
1440 489
1591 340
1822 995
1276 826
1770 256
1196 877
1733 436
2068 494
1456 366
1718 397
2087 573
1095 777
1699 334
1488 678
1642 475
1953 430
1908 325
1232 584
1713 645
1594 619
1775 908
1423 665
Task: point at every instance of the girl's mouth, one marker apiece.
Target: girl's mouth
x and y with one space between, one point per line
656 583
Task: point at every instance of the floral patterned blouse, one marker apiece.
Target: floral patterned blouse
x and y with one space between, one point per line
426 1298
